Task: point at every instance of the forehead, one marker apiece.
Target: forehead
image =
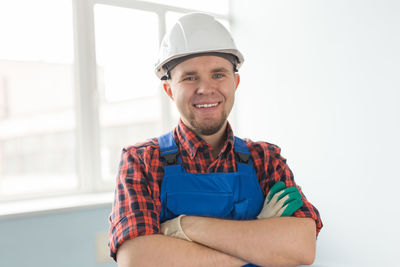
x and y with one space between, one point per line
202 64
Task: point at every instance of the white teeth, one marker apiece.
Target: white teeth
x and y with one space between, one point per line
206 105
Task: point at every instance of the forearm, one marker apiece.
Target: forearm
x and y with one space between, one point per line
160 250
283 241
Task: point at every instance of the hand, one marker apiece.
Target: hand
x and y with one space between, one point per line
281 201
173 228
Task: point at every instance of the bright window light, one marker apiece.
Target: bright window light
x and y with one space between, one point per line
126 50
37 138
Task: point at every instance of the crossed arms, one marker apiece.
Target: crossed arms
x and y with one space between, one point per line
277 241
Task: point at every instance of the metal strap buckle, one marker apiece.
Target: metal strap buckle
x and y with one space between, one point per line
171 159
243 158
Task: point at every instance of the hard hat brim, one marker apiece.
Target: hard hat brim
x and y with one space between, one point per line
160 71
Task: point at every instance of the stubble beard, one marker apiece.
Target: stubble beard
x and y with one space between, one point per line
208 127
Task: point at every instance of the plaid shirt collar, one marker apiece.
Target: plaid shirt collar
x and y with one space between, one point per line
192 143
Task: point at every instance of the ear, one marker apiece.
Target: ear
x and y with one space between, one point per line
237 80
167 89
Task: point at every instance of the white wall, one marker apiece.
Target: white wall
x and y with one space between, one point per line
322 80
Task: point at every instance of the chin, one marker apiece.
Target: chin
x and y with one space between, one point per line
209 128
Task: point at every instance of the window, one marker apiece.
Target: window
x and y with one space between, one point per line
37 120
126 46
77 84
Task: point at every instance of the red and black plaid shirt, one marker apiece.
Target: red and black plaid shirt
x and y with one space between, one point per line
137 206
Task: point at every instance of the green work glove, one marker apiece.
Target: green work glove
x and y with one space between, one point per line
173 228
281 201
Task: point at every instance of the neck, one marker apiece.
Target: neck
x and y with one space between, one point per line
216 141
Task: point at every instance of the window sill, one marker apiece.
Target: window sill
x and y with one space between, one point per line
15 209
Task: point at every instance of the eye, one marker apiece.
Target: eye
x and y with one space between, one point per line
218 75
189 78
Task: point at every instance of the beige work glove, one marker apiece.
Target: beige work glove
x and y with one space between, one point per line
173 228
281 201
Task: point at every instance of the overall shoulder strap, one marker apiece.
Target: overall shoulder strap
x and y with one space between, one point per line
168 148
241 150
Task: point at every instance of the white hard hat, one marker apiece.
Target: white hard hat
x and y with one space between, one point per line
196 33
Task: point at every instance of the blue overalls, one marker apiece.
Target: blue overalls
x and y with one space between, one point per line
233 195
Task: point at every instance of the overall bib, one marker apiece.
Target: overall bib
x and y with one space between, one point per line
232 195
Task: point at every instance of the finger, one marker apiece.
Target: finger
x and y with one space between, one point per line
287 191
269 211
164 228
290 208
276 188
290 197
286 199
169 227
275 198
290 192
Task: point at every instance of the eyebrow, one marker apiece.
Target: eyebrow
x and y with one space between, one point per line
222 69
188 73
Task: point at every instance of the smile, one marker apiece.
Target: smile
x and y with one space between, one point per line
206 105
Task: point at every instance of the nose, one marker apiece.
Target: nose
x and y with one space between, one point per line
206 87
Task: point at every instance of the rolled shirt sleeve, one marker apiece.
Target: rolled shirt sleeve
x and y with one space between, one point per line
271 168
136 207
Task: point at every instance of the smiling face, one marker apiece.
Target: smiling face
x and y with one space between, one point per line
203 89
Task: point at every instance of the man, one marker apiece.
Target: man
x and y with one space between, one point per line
199 196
